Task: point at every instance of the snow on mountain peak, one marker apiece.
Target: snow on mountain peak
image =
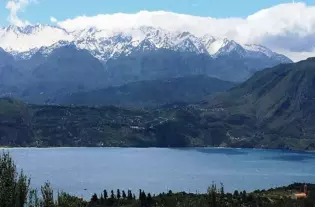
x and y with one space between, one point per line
105 44
259 48
23 39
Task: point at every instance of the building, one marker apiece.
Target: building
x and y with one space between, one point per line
301 195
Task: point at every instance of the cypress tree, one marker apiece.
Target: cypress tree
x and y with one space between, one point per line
105 194
112 196
102 200
140 194
149 199
144 196
129 195
124 194
118 194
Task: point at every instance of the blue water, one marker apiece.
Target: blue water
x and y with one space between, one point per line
83 171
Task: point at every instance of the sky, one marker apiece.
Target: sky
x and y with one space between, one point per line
40 11
284 26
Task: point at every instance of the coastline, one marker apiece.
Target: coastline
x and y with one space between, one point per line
189 147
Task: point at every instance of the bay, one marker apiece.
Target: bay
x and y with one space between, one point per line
84 171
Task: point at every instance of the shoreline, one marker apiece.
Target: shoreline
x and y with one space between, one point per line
205 147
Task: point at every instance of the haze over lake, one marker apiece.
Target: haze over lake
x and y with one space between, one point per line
158 170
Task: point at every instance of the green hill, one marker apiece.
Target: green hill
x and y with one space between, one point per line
150 93
15 123
280 101
273 109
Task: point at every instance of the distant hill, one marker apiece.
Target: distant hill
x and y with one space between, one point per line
273 109
150 93
64 68
15 123
279 100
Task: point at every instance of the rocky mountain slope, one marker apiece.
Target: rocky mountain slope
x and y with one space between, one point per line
40 63
24 42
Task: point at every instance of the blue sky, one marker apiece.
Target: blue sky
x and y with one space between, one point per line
62 9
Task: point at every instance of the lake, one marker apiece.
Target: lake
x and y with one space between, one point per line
83 171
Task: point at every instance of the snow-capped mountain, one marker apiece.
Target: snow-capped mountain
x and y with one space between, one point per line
24 42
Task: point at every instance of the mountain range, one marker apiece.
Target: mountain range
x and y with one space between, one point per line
41 63
24 42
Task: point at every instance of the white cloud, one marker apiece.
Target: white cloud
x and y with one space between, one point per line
53 19
289 28
16 6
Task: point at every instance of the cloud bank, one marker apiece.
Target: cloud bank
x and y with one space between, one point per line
16 6
287 28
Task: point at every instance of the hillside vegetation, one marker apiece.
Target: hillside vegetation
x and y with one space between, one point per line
273 109
152 93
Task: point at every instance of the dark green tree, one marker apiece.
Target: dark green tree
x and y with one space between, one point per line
212 195
140 194
102 200
105 194
118 194
124 194
14 187
129 195
112 194
94 198
47 195
149 200
244 196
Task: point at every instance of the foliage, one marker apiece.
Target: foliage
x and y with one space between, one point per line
150 93
14 186
15 192
273 109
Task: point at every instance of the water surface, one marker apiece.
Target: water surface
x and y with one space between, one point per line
83 171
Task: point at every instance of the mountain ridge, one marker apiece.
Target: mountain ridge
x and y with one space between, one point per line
105 45
149 93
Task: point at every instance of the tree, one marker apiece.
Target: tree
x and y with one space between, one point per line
102 200
142 198
47 195
118 194
112 195
129 195
222 194
140 194
14 187
66 200
244 196
212 194
33 200
94 198
149 199
105 194
124 195
170 192
236 193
